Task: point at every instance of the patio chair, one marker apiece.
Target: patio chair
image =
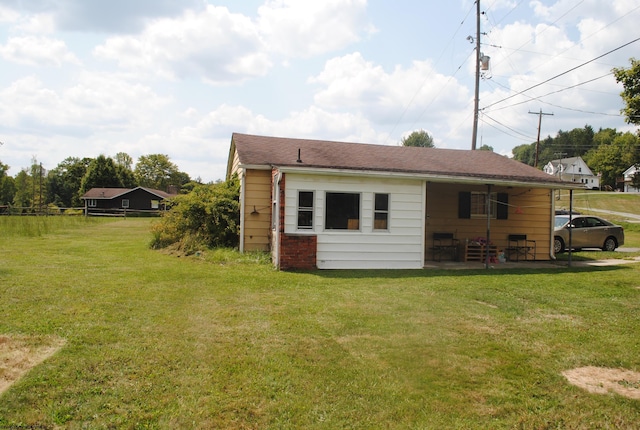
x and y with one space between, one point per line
444 243
521 247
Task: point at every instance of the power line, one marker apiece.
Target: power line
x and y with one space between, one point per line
562 74
539 98
522 135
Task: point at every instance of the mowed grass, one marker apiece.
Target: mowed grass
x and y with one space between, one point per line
612 201
158 341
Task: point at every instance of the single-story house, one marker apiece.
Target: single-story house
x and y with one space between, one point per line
627 179
573 169
120 200
337 205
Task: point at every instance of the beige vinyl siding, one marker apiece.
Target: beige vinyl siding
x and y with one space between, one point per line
400 246
235 164
529 212
257 227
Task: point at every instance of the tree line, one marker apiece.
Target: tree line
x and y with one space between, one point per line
64 185
607 152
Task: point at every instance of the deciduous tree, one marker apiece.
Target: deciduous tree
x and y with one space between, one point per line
419 138
630 79
64 181
7 185
156 171
612 159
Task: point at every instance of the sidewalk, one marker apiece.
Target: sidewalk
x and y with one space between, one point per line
629 217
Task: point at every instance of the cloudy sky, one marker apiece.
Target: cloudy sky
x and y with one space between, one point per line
82 78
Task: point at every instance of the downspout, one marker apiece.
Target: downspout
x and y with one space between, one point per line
242 211
275 223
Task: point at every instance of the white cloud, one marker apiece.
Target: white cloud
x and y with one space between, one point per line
299 28
95 104
8 14
114 16
216 46
41 23
403 95
221 47
37 51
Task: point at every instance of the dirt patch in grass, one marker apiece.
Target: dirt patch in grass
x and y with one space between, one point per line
602 380
19 354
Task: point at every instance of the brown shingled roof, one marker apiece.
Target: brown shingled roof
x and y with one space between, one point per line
111 193
321 154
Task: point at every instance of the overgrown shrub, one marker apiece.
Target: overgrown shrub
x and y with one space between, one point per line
206 217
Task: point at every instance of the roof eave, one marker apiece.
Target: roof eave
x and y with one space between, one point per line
430 177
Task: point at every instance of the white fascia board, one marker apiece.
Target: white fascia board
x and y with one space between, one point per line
255 167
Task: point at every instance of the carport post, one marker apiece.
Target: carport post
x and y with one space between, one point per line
486 251
570 224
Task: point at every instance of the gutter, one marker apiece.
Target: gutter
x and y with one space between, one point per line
451 179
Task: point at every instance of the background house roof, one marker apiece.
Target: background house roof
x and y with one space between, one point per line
570 165
320 154
111 193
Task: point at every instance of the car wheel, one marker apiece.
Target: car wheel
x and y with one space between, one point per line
609 244
558 245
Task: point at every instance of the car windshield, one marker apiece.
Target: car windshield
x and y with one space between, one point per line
561 221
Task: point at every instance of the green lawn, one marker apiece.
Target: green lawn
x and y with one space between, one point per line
160 341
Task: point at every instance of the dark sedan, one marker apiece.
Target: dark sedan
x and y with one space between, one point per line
587 232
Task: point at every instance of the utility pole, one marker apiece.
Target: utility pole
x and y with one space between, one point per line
535 163
560 169
476 100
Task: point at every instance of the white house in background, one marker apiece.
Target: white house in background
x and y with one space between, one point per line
628 177
573 169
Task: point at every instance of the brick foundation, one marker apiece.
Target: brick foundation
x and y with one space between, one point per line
296 251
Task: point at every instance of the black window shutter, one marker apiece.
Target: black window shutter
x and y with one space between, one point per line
464 204
503 206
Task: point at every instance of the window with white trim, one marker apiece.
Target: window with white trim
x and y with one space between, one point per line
305 210
125 203
342 211
381 212
92 203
